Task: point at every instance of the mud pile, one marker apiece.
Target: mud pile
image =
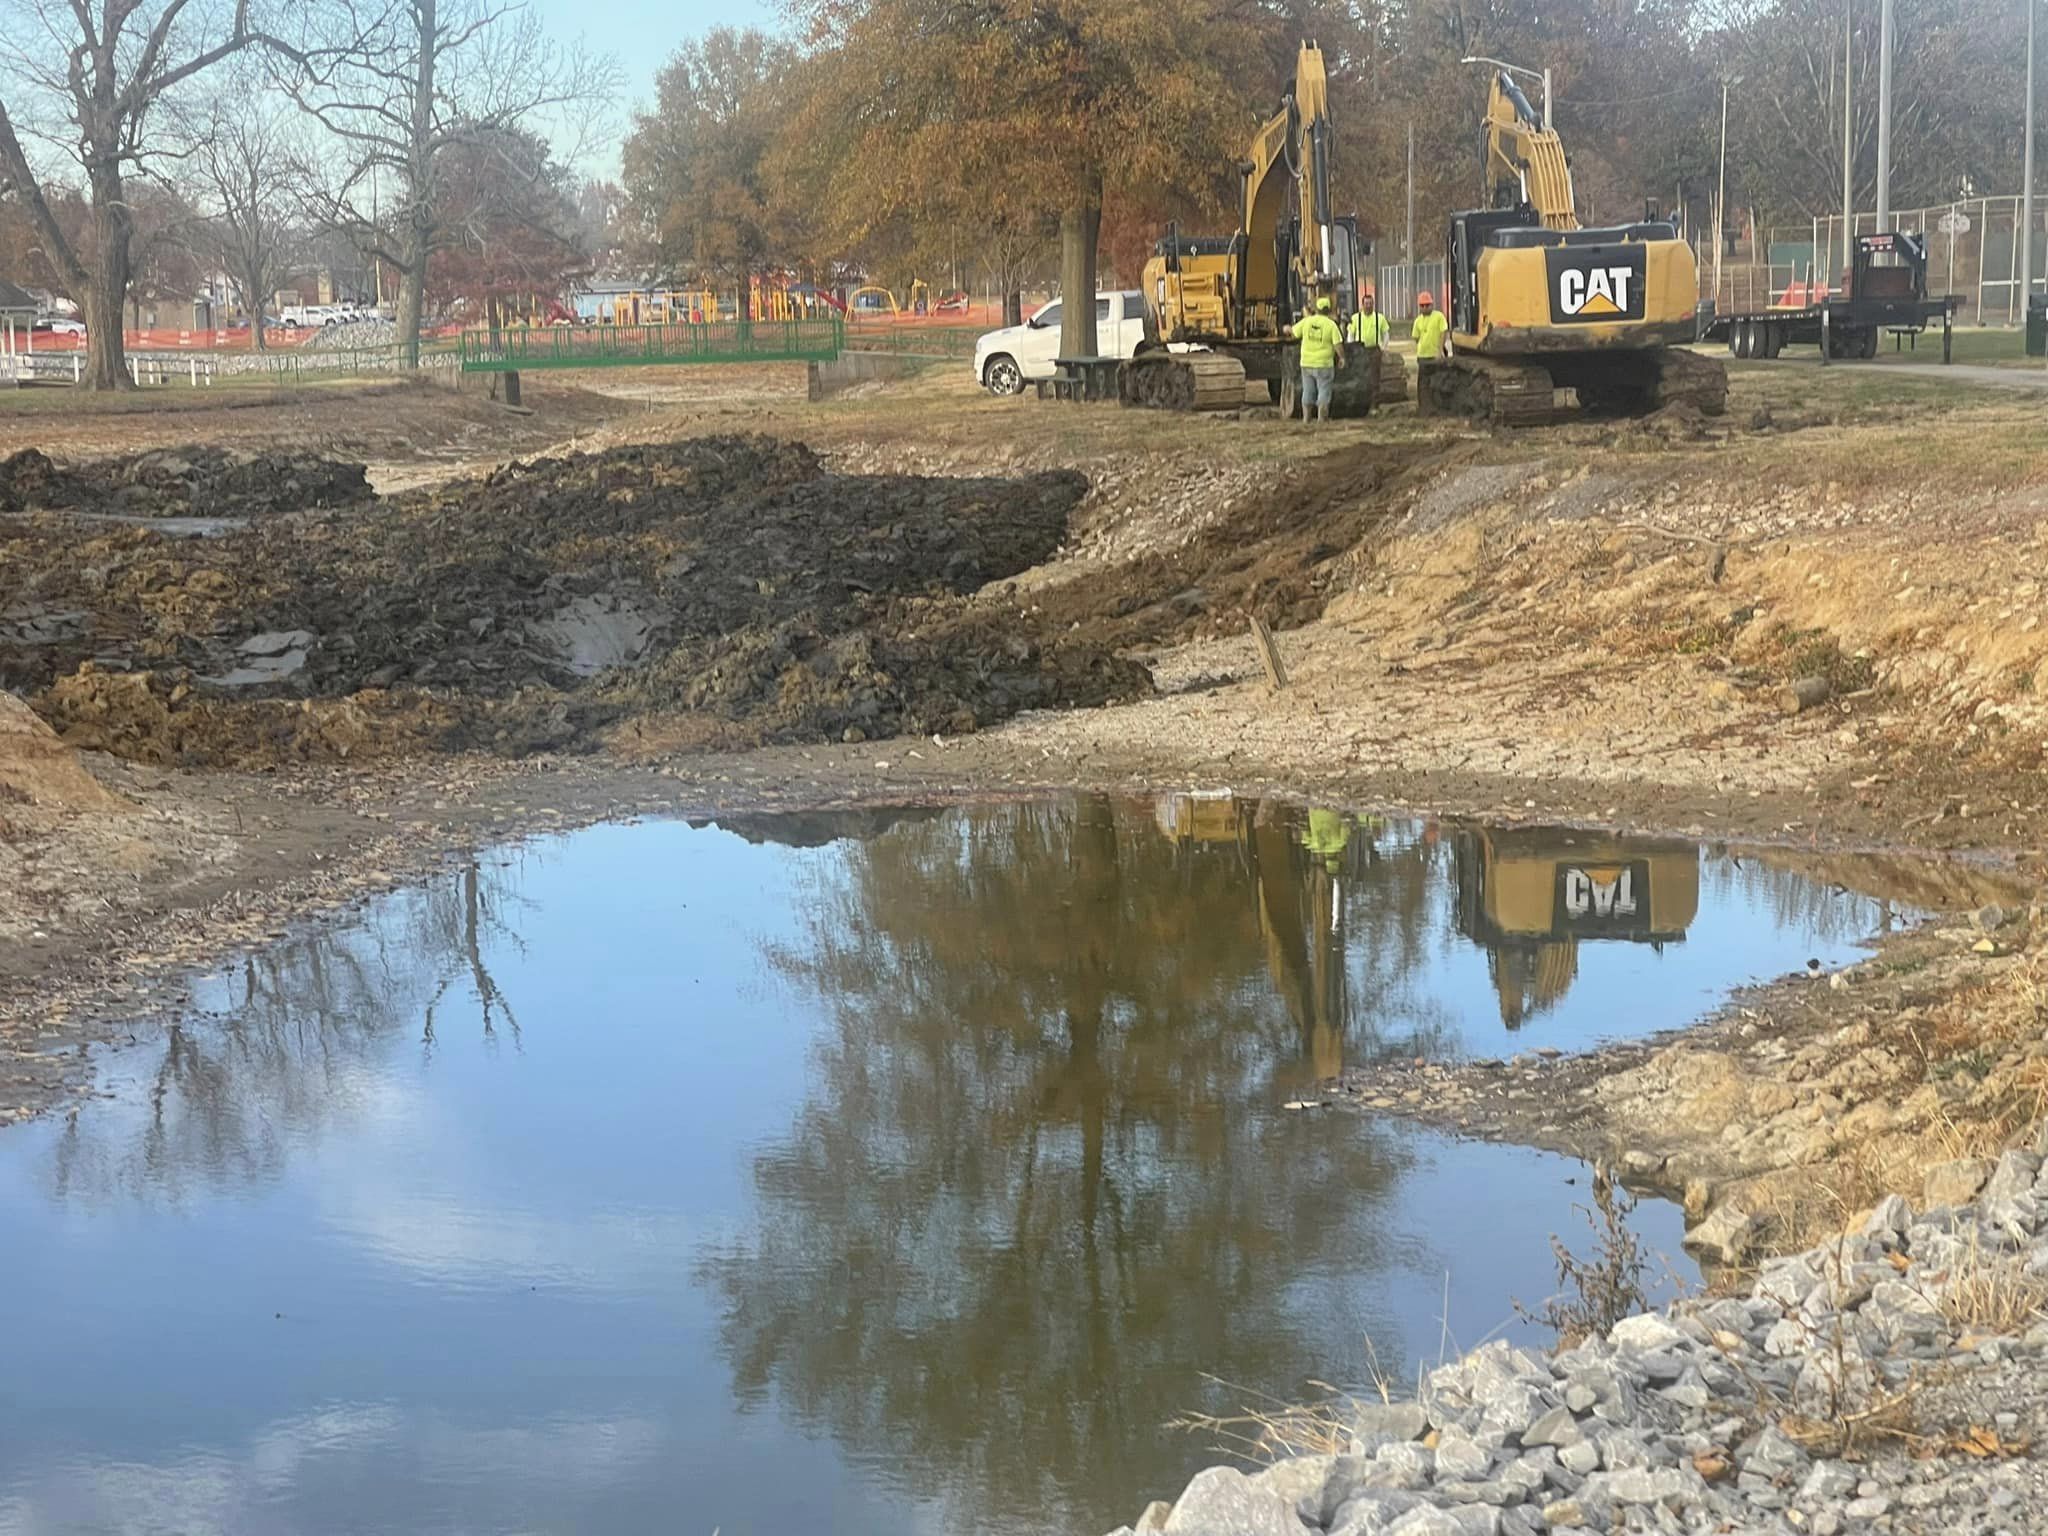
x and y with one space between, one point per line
184 482
730 578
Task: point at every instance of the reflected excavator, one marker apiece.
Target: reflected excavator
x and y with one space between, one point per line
1537 303
1530 896
1216 306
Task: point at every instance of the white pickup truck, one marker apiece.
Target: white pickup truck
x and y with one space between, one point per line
1007 360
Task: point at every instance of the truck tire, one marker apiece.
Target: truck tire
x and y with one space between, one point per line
1001 375
1870 340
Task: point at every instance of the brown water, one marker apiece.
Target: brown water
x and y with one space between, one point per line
879 1173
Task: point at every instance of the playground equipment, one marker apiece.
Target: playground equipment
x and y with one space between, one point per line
662 306
871 302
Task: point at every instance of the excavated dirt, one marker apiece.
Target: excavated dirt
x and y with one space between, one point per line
189 482
728 578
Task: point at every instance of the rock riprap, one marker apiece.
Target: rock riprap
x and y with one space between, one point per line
1894 1380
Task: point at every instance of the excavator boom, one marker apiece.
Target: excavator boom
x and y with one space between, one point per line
1523 154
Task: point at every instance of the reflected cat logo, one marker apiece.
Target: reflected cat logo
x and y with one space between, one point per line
1594 292
1599 892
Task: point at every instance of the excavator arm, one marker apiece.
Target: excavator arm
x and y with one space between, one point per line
1525 160
1292 149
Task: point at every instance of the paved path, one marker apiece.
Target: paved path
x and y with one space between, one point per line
2035 377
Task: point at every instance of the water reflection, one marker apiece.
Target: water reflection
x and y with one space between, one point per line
883 1171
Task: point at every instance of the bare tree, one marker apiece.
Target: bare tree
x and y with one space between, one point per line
435 74
245 171
86 82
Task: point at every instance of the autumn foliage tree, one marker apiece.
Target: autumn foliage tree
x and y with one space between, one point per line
695 164
1017 111
511 225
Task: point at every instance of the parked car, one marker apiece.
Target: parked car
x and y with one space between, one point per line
62 327
1007 360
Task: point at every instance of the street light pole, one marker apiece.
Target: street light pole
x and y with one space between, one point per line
1884 114
1721 194
1848 140
2027 179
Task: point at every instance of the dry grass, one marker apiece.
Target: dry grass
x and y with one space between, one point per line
1266 1430
1991 1294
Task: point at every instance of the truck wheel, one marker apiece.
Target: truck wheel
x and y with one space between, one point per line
1870 340
1273 390
1002 376
1735 338
1774 340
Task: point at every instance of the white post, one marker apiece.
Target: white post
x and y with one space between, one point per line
1546 98
1721 196
1884 115
2027 177
1848 141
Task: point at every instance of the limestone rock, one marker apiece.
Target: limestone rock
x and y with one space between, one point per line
1646 1332
1222 1501
1955 1183
1725 1237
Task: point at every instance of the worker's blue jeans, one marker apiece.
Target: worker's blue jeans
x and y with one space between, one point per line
1317 387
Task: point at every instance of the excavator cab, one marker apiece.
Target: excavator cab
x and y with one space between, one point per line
1530 896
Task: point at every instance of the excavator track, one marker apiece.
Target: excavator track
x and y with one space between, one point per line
1690 378
1486 389
1181 381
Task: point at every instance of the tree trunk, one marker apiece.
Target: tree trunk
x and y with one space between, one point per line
106 289
1013 307
1080 228
257 342
412 289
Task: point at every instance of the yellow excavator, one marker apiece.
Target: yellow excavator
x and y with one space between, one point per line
1529 896
1537 303
1216 305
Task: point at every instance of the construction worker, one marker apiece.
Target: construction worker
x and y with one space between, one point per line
1322 352
1368 327
1431 330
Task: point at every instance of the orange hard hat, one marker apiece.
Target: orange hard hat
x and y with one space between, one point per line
1425 297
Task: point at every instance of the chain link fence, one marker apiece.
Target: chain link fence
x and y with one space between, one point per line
1394 293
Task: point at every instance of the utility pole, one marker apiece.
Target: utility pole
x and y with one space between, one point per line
1848 141
1884 114
1408 249
1721 194
2026 181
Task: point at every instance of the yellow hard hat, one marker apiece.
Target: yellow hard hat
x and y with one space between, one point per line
1323 303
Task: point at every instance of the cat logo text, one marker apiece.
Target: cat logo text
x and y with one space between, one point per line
1599 893
1594 293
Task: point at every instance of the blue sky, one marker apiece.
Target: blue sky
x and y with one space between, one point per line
642 34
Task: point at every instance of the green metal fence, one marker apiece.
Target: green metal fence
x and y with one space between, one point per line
609 346
919 340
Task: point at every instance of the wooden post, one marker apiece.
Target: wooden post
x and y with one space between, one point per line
1803 694
1269 653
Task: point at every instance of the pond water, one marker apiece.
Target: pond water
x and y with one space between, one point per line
877 1172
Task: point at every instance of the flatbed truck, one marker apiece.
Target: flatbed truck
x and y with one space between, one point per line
1886 291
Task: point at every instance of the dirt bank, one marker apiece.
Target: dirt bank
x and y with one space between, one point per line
733 580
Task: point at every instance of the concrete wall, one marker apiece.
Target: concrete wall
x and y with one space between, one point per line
851 368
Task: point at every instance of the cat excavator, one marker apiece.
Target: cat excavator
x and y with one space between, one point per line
1216 306
1538 303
